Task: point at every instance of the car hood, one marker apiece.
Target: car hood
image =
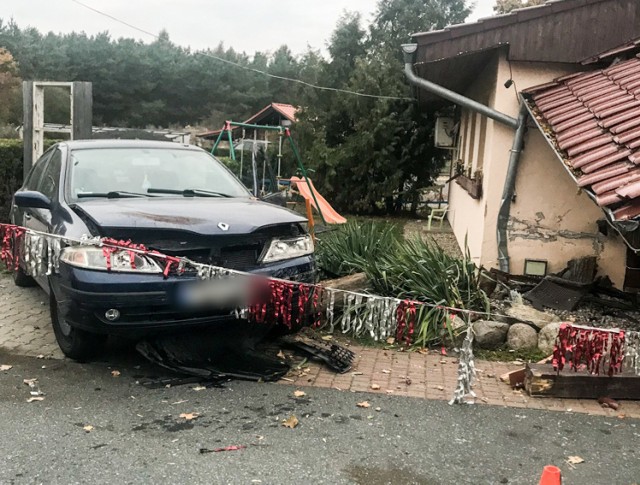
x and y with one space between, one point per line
201 215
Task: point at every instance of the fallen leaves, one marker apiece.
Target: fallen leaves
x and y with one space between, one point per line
189 416
391 340
386 371
35 398
327 337
199 388
363 404
607 402
375 387
291 422
299 393
115 373
5 367
574 460
88 428
280 355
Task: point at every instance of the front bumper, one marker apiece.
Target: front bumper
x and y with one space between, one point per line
146 303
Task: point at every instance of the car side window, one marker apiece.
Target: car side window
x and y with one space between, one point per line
50 179
36 172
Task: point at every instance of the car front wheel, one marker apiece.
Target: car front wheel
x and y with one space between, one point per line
75 343
22 279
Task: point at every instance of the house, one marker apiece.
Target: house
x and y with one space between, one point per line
545 174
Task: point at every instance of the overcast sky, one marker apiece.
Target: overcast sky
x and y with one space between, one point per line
247 26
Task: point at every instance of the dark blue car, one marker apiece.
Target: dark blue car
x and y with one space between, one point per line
176 199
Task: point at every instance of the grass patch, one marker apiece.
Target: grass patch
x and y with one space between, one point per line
506 355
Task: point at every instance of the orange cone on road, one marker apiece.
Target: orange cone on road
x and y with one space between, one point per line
551 475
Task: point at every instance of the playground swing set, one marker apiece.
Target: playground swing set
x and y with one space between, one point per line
304 186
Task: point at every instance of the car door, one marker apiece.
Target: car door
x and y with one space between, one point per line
48 184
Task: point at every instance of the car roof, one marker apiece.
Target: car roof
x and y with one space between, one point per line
116 143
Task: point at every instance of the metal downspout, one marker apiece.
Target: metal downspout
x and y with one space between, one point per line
409 54
519 125
509 188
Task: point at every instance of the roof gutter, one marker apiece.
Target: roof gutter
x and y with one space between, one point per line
409 58
519 125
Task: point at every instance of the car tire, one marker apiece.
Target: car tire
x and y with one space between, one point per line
22 279
75 343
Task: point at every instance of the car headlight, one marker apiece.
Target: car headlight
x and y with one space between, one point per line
93 258
280 249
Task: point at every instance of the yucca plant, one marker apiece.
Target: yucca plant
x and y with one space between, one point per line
422 271
354 246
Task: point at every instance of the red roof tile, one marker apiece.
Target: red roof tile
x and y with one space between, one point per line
594 119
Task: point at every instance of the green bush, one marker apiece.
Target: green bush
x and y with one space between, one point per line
11 152
10 174
354 246
414 269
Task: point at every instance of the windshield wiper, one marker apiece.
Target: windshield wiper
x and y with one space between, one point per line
188 192
114 194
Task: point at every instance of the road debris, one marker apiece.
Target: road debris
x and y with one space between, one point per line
363 404
115 373
226 448
190 416
607 402
298 393
36 398
88 428
290 422
5 367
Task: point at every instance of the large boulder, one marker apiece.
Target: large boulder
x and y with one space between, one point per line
547 337
521 336
526 313
490 335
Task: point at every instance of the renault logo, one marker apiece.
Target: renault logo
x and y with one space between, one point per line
223 225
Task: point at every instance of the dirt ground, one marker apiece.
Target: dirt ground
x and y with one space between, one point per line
444 236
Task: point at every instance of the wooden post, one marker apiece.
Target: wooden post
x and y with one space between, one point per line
27 126
81 110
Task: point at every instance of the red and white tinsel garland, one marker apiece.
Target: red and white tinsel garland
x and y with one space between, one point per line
597 350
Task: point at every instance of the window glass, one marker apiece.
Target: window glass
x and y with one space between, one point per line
103 170
36 172
51 177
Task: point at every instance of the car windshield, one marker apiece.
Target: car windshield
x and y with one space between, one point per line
172 172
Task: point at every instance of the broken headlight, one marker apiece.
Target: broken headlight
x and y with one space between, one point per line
93 258
280 249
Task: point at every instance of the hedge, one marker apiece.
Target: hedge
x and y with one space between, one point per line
11 152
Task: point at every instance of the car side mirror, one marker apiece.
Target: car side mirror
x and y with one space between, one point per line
31 199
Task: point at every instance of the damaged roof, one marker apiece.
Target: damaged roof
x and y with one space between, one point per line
593 121
562 31
556 31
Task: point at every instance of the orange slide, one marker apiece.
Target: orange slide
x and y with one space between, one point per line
328 212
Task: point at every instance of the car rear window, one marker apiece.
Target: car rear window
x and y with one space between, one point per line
103 170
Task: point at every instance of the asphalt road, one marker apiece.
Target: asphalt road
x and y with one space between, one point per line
138 436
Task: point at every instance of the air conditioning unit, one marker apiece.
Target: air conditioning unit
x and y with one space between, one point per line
444 134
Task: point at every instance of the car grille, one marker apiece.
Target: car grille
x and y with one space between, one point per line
236 251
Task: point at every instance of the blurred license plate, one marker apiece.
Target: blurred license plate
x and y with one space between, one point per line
215 294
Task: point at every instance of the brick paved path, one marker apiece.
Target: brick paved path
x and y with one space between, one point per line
25 329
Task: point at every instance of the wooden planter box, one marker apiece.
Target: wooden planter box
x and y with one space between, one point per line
473 186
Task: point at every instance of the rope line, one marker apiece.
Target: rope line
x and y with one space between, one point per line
247 68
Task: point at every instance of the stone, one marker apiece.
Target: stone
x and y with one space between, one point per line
526 313
352 282
521 336
547 337
489 335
